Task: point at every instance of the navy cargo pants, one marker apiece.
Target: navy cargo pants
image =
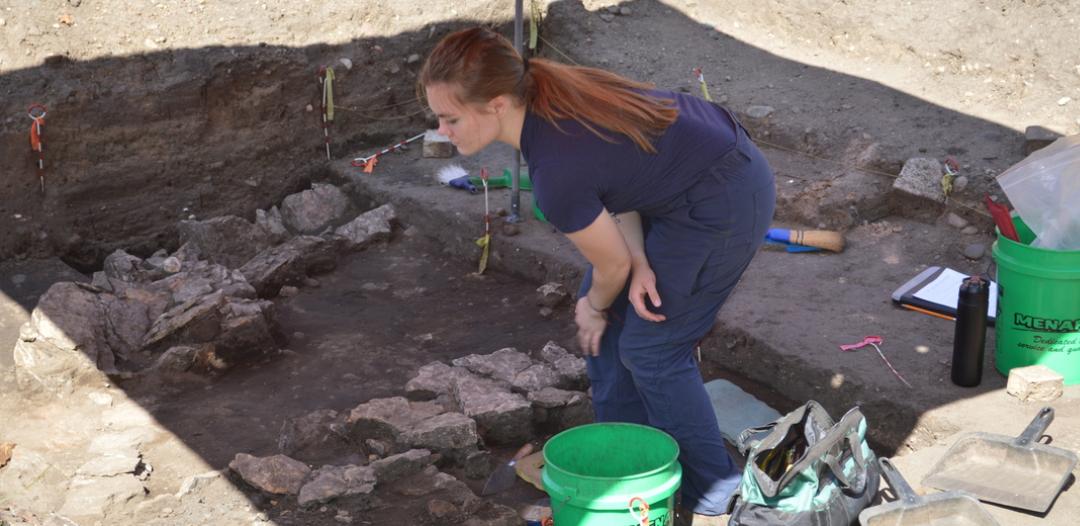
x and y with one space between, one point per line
698 244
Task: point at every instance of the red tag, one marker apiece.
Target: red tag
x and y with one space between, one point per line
866 341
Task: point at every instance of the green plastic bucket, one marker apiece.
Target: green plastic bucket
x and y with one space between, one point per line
593 472
1038 322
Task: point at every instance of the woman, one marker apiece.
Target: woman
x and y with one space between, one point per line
663 193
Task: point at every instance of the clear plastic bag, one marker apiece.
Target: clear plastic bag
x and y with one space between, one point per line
1044 189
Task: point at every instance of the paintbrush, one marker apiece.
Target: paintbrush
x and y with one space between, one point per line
503 476
457 177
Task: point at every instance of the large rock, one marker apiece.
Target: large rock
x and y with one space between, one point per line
228 240
320 434
332 482
77 330
1038 137
246 331
369 227
199 278
277 474
288 264
413 425
125 267
43 367
433 380
67 317
502 417
238 328
448 432
1037 383
389 418
503 364
569 367
313 211
127 318
917 192
174 361
456 491
511 367
555 409
187 253
537 376
394 467
197 320
272 224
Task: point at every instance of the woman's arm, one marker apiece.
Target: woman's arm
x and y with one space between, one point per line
643 280
604 246
630 226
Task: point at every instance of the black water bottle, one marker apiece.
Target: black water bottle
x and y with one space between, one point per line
970 338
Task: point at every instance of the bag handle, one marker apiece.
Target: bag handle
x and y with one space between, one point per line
846 430
753 437
745 442
854 444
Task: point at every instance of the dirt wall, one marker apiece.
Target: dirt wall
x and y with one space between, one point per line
159 111
142 134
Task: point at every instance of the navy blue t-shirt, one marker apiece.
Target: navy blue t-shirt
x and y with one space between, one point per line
575 174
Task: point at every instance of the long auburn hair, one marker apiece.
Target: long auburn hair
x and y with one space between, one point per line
485 65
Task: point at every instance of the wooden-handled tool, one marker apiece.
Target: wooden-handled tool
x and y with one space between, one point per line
824 239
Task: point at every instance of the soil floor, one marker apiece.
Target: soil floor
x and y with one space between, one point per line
361 334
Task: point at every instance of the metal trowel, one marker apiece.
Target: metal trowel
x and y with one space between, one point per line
504 475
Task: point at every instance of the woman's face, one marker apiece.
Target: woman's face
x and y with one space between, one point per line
470 126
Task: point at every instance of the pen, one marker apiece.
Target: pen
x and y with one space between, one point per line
924 311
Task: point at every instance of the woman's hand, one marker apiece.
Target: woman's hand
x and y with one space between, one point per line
642 288
591 324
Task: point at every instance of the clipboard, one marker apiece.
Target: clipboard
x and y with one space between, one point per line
935 291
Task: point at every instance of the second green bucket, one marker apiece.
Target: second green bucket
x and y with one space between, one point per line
599 474
1039 318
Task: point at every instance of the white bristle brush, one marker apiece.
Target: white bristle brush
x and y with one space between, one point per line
450 172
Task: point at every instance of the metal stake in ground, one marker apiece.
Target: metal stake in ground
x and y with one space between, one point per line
326 82
368 163
37 114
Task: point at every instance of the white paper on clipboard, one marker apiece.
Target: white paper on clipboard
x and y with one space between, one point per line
945 290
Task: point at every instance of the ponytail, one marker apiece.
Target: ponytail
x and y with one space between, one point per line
597 98
485 65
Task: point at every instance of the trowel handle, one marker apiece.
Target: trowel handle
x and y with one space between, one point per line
1037 426
521 453
896 482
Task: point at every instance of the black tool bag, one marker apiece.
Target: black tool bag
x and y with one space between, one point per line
806 470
